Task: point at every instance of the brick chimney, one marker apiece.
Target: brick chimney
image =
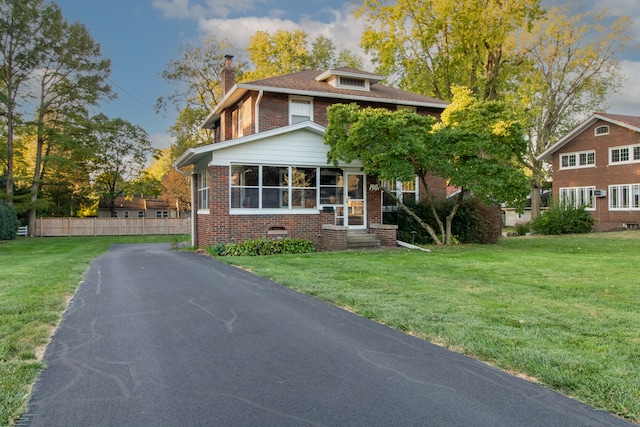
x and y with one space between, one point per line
228 75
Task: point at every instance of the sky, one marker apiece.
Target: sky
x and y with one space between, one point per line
141 36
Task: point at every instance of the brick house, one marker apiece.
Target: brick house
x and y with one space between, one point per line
597 164
266 174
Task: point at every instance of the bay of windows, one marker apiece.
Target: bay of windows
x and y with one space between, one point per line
625 196
578 196
273 187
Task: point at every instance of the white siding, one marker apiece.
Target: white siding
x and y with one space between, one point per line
299 148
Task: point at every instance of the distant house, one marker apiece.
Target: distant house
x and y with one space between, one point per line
266 174
137 207
511 216
597 165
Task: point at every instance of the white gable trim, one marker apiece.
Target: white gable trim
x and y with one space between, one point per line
193 155
548 153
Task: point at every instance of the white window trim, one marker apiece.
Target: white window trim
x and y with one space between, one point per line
577 154
200 174
586 188
624 162
301 98
275 211
595 131
399 194
631 189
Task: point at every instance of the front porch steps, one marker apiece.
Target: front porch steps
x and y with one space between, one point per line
360 239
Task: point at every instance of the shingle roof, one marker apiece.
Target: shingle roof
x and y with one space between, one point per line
632 121
306 83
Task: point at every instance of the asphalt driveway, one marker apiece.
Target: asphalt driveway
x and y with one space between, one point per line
156 337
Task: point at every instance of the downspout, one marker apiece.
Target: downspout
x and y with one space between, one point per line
257 121
193 211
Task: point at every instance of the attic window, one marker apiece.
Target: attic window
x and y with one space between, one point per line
346 81
602 130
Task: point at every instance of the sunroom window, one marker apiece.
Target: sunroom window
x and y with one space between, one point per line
273 187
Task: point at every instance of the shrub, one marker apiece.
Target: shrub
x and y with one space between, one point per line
522 228
263 247
563 220
474 222
8 221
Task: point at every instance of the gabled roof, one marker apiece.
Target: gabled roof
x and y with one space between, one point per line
629 122
314 83
194 155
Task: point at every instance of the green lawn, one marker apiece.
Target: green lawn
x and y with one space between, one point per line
564 311
37 278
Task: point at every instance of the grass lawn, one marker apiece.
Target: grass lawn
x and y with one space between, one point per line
37 278
561 311
564 311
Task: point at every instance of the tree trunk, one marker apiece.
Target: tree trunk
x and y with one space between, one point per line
536 183
413 215
452 214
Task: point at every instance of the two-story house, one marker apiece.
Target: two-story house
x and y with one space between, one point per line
267 173
597 165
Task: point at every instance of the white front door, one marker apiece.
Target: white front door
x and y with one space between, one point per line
355 202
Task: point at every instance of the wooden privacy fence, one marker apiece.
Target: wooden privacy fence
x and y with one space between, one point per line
49 227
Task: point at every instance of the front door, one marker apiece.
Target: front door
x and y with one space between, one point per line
355 201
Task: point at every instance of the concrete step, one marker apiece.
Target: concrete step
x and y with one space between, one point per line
361 240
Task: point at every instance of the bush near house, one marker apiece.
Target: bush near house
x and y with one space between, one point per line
474 222
8 221
262 247
563 220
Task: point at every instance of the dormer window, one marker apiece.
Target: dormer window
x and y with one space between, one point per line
602 130
347 78
351 82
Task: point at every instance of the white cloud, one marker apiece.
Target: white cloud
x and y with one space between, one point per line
344 29
627 101
195 9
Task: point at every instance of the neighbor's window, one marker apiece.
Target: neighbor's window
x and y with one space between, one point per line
625 154
578 196
583 159
140 214
273 187
624 197
203 191
300 110
407 192
162 214
602 130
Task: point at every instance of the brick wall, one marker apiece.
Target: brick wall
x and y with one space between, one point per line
602 175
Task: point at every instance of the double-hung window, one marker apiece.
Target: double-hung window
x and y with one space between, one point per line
578 197
273 187
300 110
203 190
406 191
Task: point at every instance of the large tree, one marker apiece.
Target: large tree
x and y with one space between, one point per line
120 152
431 46
71 79
285 52
21 46
196 76
475 147
572 65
